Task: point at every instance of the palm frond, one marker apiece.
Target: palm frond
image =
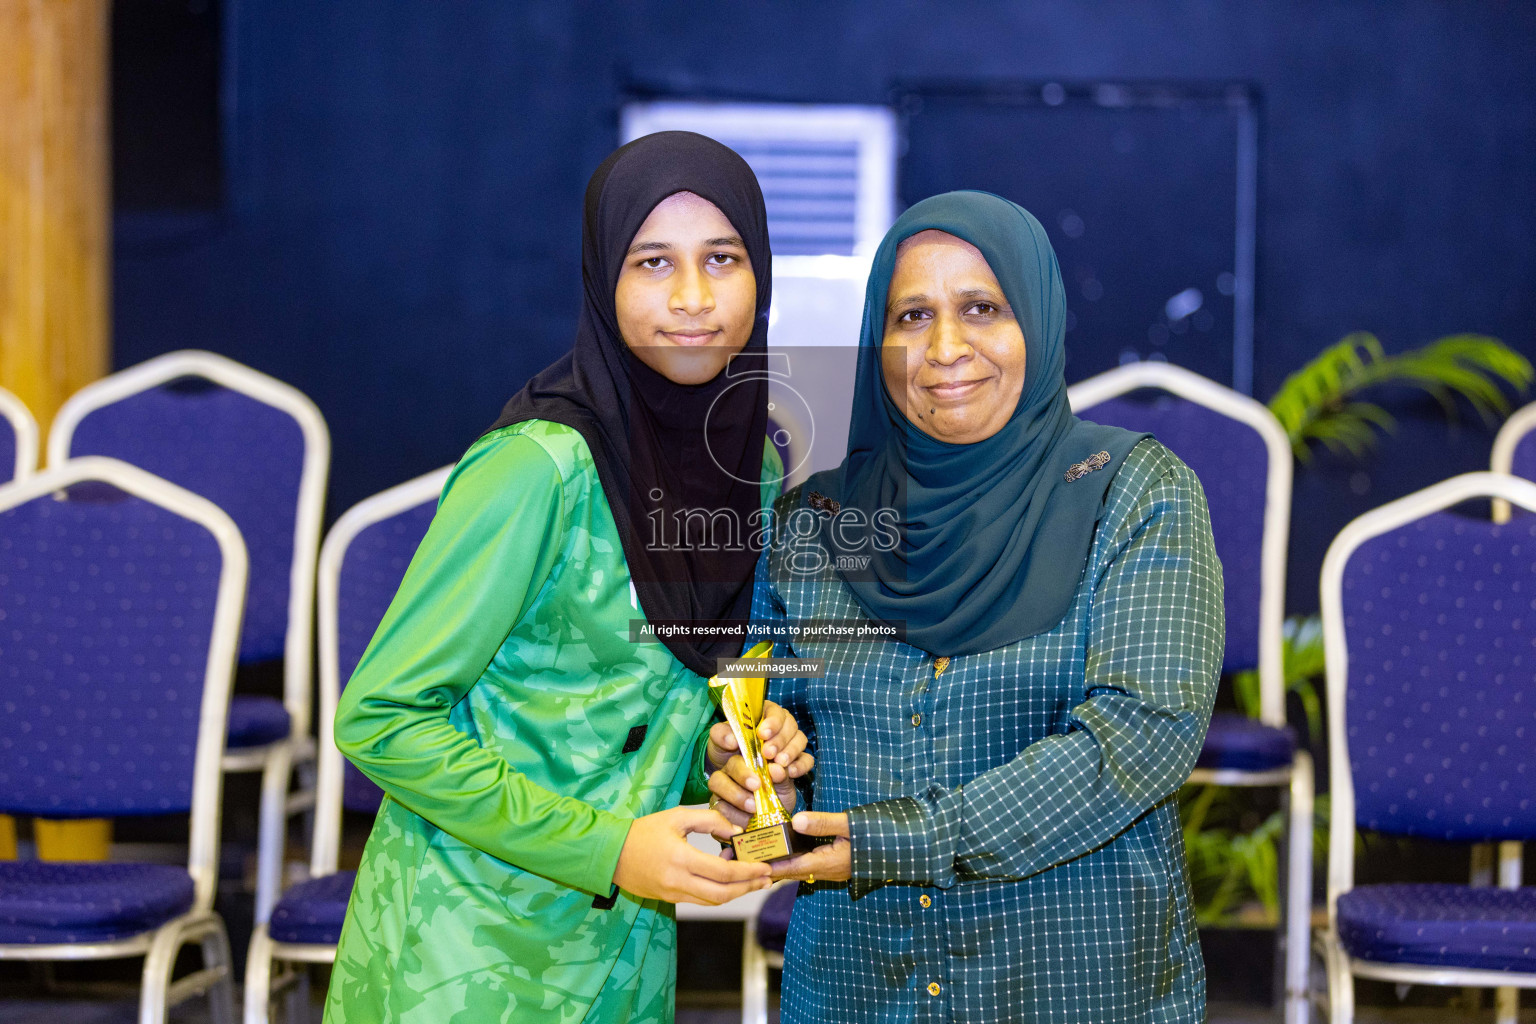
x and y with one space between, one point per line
1317 403
1234 864
1231 869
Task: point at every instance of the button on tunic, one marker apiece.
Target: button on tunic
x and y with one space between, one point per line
1034 808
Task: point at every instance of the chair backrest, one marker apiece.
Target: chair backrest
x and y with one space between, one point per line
1428 619
1514 451
361 565
120 606
18 439
252 445
1240 453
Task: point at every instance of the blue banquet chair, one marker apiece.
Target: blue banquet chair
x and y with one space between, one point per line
1243 459
18 439
258 449
361 565
1427 620
120 607
1514 451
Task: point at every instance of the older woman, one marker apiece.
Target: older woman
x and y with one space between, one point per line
999 786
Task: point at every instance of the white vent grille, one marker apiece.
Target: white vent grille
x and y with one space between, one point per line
827 172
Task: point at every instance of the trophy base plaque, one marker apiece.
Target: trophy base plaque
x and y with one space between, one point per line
772 842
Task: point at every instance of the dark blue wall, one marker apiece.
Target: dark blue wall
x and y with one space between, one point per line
404 184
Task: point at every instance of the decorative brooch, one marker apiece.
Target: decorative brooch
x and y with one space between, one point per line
821 503
1098 460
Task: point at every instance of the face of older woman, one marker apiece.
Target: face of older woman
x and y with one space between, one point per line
686 296
953 353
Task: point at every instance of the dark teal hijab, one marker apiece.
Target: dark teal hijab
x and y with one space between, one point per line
994 536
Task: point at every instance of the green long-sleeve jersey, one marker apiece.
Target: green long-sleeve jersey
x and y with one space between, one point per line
516 731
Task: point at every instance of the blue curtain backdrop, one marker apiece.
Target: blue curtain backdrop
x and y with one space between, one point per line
402 185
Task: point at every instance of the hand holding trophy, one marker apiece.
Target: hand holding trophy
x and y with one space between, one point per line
768 835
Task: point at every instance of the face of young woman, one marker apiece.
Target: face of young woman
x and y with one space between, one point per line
686 297
953 353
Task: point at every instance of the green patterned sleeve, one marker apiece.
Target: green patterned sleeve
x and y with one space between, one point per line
495 537
1154 649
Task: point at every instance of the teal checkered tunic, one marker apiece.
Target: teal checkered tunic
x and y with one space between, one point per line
1016 846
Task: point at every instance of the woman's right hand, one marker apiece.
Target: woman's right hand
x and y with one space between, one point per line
733 789
658 863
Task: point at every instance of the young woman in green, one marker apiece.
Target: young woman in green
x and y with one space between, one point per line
534 756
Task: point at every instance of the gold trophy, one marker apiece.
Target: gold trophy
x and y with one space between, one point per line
768 834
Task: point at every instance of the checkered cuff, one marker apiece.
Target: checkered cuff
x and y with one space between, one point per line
902 840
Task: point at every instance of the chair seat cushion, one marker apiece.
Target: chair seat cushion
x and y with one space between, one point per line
255 721
46 902
312 911
773 919
1238 743
1441 926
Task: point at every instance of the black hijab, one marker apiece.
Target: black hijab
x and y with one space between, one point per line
662 447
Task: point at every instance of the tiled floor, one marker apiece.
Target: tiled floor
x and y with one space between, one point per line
33 1010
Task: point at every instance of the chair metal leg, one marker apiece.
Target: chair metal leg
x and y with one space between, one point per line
1496 864
1341 984
301 802
216 955
1298 891
296 1001
258 977
1506 1001
1506 1004
1480 877
272 830
156 977
157 993
754 976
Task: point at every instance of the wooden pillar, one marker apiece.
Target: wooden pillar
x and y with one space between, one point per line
55 199
55 218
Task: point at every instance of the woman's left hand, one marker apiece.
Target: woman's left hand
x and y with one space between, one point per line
783 744
830 863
